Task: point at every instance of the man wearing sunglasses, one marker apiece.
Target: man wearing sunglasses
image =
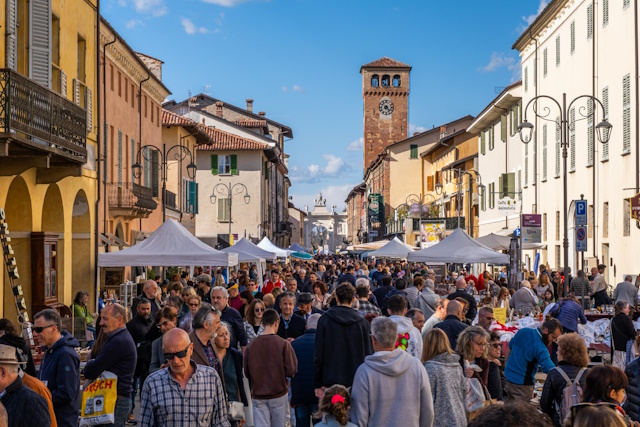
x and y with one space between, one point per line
183 393
59 356
118 355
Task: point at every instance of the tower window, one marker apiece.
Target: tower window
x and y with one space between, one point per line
385 80
375 80
396 81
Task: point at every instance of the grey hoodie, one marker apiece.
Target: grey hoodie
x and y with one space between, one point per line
391 388
449 390
414 344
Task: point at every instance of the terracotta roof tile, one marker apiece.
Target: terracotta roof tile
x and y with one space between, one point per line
227 141
386 62
169 118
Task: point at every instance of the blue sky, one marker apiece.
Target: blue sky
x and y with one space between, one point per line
300 60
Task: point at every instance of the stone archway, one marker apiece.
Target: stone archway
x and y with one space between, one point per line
82 274
19 216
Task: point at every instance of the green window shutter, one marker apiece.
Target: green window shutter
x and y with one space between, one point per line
501 184
195 203
511 185
503 128
414 152
234 164
605 103
482 142
193 197
484 200
214 164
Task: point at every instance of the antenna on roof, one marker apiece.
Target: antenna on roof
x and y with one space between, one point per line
206 89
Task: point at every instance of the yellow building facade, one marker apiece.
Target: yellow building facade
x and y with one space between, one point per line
48 149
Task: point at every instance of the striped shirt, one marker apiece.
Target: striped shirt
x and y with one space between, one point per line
202 403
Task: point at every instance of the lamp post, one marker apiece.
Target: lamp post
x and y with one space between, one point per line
526 130
180 154
230 189
460 172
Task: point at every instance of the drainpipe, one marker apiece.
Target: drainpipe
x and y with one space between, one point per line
96 231
593 134
635 24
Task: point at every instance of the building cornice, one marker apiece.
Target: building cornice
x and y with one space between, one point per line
127 61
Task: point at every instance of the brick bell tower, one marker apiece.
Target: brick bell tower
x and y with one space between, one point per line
385 92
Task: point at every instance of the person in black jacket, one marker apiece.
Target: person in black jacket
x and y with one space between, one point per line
139 327
291 325
342 342
633 391
25 408
622 333
573 360
461 285
231 359
13 338
452 324
303 398
383 290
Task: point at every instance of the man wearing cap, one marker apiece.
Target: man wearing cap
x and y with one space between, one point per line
204 288
304 307
60 368
25 408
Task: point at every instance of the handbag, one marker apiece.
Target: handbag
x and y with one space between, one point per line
99 400
475 398
235 411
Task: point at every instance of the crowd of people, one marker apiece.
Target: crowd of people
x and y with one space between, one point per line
334 341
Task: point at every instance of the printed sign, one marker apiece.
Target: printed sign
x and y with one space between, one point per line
432 232
508 206
581 238
531 220
581 212
531 230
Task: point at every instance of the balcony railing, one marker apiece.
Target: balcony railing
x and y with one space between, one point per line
37 117
129 195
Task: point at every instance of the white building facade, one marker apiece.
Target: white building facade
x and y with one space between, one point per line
583 47
324 230
500 162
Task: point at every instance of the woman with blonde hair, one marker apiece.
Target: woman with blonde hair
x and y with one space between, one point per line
448 386
472 348
573 360
193 302
219 281
502 300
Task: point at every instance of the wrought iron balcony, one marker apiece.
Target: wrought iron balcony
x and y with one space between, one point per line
131 200
35 119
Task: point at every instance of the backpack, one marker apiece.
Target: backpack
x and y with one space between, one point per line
571 394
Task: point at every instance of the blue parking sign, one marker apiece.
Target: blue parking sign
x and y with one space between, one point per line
581 212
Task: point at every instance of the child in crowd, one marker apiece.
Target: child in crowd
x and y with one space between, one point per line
334 407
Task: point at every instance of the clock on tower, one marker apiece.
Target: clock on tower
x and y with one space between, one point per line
385 93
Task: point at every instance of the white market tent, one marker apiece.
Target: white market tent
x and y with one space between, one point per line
503 243
246 246
371 246
458 247
394 249
270 247
169 246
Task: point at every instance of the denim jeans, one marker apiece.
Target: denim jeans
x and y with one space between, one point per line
121 412
304 413
137 383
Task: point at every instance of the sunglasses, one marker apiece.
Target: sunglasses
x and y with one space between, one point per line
194 304
259 310
179 355
39 329
496 345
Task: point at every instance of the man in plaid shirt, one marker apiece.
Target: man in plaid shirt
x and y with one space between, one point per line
362 292
183 394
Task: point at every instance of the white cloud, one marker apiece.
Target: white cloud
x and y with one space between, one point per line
334 167
295 88
358 144
190 28
528 20
335 195
153 7
416 129
313 170
226 3
503 60
122 3
132 23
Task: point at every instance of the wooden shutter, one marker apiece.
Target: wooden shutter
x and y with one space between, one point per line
511 185
214 164
626 114
119 156
63 83
154 173
76 91
544 152
223 210
605 104
194 201
482 142
590 21
11 54
430 183
89 104
500 187
503 128
40 42
234 164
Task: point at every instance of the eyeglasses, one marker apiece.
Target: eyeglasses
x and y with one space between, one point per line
180 354
39 329
480 344
258 310
194 304
496 345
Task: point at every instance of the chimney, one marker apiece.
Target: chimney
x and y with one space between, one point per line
250 105
219 105
262 113
443 131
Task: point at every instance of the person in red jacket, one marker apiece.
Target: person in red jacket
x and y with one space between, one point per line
273 282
